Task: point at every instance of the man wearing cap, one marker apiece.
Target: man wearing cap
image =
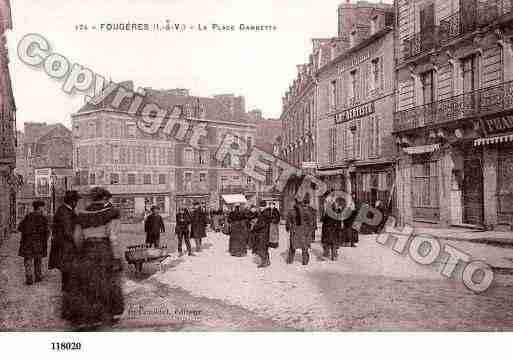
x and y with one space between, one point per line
63 247
299 225
34 242
153 226
198 225
261 235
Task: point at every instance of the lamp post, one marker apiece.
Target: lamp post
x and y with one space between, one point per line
53 179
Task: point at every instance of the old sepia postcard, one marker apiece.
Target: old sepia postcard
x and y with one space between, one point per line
270 166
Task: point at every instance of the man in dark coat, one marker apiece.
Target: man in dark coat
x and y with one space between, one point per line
198 225
332 231
260 231
34 242
300 226
63 248
183 221
153 226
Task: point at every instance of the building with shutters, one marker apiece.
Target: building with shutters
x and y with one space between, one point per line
453 121
143 169
9 183
338 112
355 106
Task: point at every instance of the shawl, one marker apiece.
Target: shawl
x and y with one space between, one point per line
97 214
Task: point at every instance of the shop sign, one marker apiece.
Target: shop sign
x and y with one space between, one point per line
355 112
498 125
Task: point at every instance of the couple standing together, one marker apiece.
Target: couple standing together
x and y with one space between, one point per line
87 251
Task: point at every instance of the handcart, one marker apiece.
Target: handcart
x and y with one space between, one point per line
145 253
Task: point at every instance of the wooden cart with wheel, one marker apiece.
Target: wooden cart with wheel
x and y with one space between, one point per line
145 253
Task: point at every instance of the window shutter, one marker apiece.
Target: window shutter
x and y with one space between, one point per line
381 73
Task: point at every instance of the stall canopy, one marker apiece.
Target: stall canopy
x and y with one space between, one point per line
417 150
234 198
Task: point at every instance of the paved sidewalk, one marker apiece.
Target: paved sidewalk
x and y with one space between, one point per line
495 238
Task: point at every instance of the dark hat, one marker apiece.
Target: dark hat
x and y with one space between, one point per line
154 207
71 196
195 203
262 203
38 204
99 193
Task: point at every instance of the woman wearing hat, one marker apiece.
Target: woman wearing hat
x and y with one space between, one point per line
94 296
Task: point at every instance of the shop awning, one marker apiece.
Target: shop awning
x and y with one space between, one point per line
417 150
491 140
234 198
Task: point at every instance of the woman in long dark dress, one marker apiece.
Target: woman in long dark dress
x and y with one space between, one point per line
239 232
95 297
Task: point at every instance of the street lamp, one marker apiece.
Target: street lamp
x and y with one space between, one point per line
53 179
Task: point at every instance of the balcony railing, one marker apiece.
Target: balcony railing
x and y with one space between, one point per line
472 16
481 102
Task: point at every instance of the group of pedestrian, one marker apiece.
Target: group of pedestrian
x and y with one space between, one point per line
255 229
85 249
188 225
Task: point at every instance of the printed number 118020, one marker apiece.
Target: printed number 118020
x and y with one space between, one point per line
65 346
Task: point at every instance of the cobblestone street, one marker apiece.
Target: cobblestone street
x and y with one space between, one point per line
368 288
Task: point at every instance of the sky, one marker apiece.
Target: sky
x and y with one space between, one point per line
257 65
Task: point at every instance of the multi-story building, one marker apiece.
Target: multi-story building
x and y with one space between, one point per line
299 128
356 105
454 104
268 131
338 113
44 162
142 169
8 181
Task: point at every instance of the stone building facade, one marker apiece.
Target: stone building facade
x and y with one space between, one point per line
8 181
355 111
453 123
143 169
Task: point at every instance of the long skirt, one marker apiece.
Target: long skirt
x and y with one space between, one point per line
274 234
238 243
94 291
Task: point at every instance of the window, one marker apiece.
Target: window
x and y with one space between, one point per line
92 178
333 95
332 153
428 90
131 130
92 130
162 178
470 74
353 84
236 179
250 142
376 74
269 176
188 181
188 155
115 129
203 180
374 137
115 154
203 157
147 178
99 132
131 178
161 203
162 156
425 182
114 178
